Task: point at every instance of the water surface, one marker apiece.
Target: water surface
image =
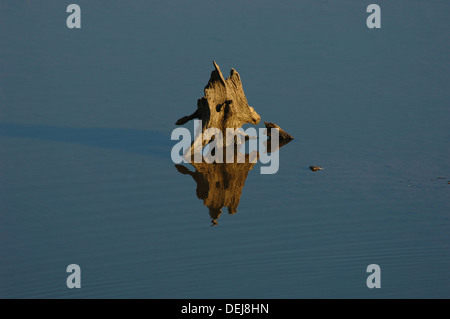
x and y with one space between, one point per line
86 175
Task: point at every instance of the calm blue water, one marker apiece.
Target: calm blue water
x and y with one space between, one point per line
86 175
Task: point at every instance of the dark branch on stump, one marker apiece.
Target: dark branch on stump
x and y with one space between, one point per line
283 137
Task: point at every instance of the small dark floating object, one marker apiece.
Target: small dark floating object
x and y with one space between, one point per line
315 168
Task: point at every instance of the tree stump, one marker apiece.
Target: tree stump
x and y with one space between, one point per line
223 106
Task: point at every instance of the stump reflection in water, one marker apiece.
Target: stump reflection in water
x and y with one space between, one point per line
220 185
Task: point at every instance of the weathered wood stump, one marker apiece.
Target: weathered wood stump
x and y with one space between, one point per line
223 106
